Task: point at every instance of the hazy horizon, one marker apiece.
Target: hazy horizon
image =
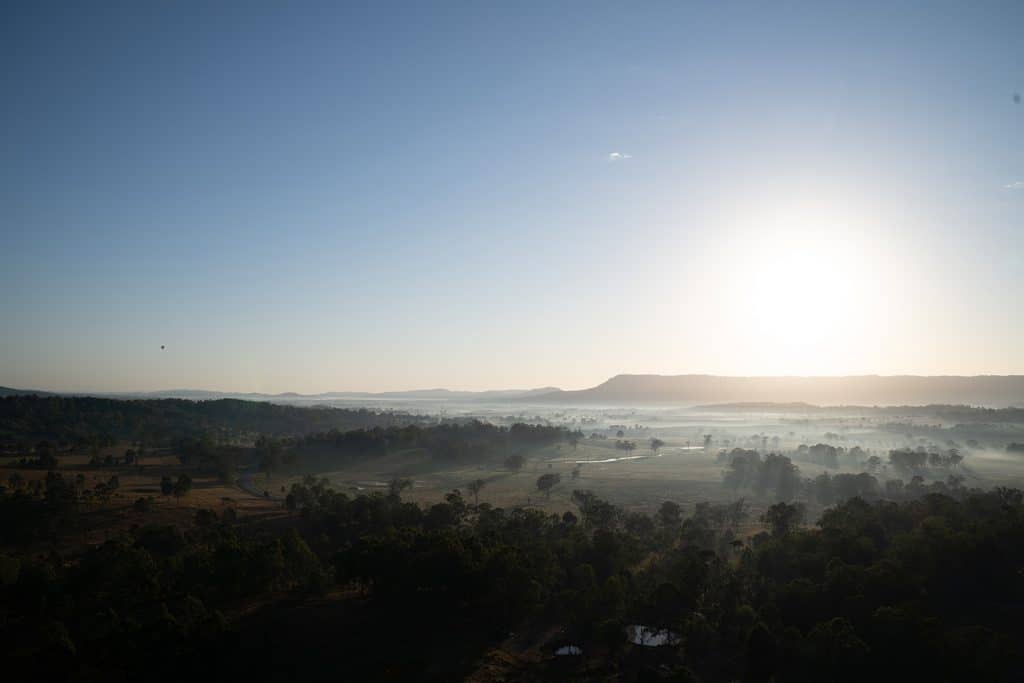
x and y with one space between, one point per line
321 198
543 387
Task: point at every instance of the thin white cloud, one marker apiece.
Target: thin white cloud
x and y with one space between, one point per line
1017 185
619 156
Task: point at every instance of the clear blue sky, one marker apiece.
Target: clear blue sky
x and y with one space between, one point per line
325 196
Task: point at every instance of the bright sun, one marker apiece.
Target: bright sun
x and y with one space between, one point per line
799 282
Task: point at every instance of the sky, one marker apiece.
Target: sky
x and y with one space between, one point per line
380 196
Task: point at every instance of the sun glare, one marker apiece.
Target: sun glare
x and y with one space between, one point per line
800 283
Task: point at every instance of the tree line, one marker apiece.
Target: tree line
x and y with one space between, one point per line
81 420
775 476
924 588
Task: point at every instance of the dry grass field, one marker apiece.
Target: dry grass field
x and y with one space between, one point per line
640 484
639 481
103 517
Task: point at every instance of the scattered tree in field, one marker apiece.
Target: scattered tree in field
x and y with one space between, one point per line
908 461
954 457
515 462
546 482
270 451
397 485
475 487
45 456
774 474
656 445
166 486
182 486
94 449
106 489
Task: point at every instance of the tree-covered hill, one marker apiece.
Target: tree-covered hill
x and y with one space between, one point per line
27 419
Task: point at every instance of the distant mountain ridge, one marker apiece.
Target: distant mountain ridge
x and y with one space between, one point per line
870 390
995 391
950 413
291 396
8 391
